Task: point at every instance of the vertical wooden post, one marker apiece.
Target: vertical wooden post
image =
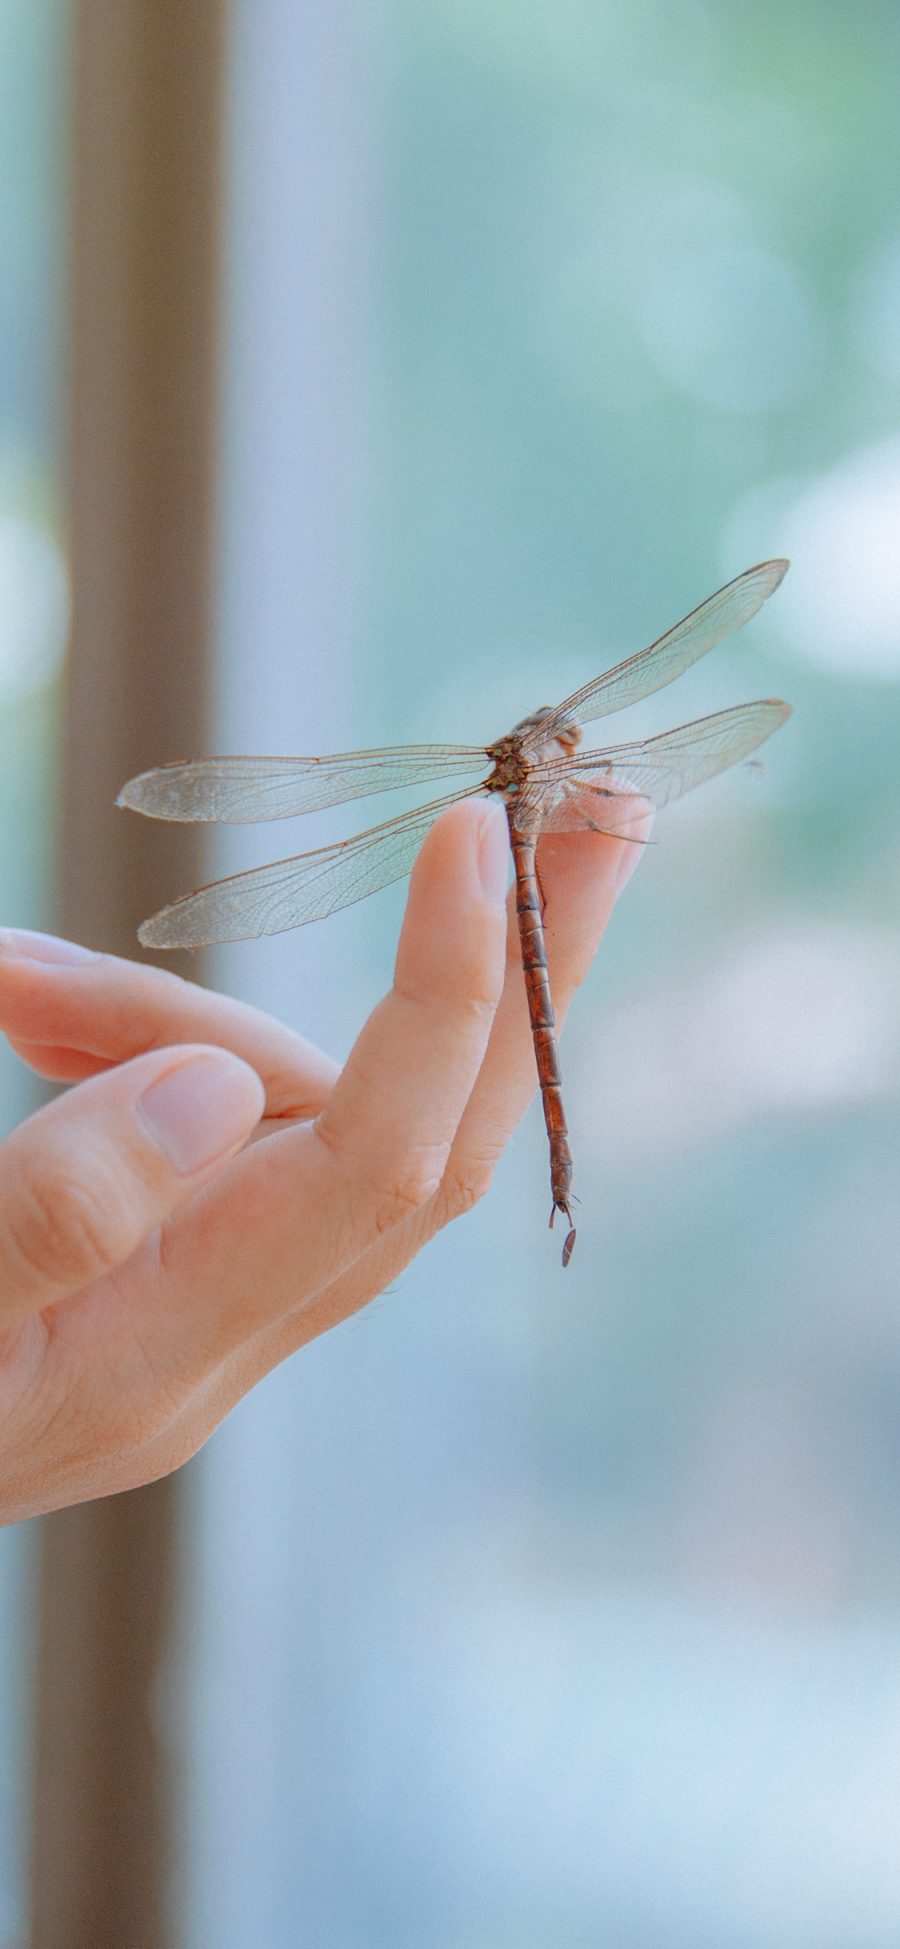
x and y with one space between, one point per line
143 360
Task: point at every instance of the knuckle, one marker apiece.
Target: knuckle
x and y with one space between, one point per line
399 1187
464 1187
467 994
413 1187
477 1007
151 1019
63 1229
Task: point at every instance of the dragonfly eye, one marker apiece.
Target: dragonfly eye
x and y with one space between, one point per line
531 722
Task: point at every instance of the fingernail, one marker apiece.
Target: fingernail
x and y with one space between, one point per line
629 859
633 849
200 1110
42 947
493 853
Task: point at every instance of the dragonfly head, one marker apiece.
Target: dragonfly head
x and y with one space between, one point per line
516 755
565 733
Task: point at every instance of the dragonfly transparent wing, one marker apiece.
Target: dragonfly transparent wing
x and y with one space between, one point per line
651 669
242 791
272 899
602 790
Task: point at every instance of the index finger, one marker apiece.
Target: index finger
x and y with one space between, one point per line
581 875
304 1205
71 1014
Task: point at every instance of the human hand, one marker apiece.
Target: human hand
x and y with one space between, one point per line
154 1264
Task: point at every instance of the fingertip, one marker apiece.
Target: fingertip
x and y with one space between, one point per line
492 841
24 944
458 886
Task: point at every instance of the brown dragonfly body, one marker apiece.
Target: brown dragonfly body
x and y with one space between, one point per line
516 757
547 783
543 1027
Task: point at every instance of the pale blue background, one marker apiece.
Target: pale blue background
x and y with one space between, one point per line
531 1612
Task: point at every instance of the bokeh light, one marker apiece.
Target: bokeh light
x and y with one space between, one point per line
34 607
839 608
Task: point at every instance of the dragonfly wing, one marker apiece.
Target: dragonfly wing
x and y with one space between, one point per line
583 806
272 899
604 790
653 668
244 790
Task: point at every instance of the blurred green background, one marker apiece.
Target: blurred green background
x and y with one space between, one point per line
531 1613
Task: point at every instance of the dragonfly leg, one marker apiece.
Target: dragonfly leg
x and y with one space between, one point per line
593 825
541 894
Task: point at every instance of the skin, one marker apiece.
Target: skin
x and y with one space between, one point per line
152 1270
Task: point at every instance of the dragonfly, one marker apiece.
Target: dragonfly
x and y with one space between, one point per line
547 782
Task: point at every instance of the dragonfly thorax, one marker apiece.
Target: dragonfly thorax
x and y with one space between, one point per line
519 753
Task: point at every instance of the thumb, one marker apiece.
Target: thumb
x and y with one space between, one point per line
83 1181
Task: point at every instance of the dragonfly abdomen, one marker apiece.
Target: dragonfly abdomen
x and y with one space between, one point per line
543 1027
